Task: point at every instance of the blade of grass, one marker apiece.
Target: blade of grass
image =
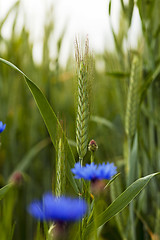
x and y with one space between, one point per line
103 121
148 81
4 190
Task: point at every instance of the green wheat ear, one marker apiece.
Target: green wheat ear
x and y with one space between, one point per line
82 113
133 100
83 89
60 167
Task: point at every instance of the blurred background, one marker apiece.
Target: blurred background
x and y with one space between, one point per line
39 38
70 18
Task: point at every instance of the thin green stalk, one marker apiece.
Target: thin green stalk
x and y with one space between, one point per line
81 184
95 220
81 160
158 157
92 157
129 161
131 206
151 124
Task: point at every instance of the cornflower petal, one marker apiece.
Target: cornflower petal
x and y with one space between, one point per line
35 209
58 209
2 126
93 172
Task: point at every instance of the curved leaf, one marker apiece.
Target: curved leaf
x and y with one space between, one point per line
120 203
103 121
4 190
51 121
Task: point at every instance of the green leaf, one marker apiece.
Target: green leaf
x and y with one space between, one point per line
4 190
72 143
12 232
10 11
119 203
103 121
112 180
118 74
148 81
133 161
130 11
51 122
109 9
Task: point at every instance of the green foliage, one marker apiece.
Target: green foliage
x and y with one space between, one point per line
119 203
124 123
49 117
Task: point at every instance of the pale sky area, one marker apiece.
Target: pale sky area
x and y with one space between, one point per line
81 18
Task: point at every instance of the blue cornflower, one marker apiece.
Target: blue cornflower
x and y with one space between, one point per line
2 126
94 172
58 209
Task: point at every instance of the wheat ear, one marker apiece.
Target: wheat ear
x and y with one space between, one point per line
82 112
60 169
133 98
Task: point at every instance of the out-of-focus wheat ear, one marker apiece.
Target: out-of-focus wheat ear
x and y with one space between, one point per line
60 167
133 99
90 68
82 112
78 56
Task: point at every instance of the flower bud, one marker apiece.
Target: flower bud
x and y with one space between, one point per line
16 178
92 146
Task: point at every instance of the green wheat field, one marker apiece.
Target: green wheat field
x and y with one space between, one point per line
52 114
